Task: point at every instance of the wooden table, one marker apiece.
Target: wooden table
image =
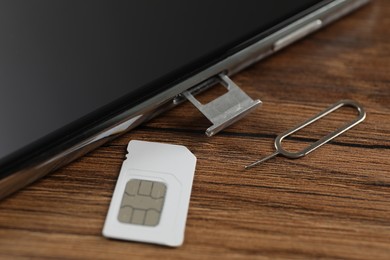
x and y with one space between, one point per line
333 203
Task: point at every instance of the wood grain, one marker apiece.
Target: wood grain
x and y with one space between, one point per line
334 203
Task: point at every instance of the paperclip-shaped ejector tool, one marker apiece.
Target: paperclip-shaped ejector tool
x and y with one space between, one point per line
226 109
278 141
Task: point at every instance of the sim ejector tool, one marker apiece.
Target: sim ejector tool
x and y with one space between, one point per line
278 141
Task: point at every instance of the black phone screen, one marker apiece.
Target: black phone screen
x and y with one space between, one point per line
67 64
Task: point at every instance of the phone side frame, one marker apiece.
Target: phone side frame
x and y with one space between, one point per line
133 117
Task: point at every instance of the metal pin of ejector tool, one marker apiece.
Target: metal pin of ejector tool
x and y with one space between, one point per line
278 141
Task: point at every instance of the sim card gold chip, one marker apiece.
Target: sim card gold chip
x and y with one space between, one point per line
142 202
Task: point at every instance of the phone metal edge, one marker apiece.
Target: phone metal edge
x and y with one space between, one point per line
162 102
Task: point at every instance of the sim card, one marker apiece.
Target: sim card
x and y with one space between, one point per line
151 198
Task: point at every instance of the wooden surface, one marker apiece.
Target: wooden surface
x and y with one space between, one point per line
334 203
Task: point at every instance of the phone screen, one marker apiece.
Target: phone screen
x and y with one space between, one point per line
67 64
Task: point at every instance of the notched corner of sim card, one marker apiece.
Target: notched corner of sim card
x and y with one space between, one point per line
134 144
187 151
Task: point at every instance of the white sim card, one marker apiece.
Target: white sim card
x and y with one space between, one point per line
152 194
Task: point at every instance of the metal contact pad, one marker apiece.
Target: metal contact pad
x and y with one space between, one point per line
142 202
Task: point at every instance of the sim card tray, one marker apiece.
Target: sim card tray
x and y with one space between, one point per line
226 109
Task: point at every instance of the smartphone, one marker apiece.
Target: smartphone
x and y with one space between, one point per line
76 74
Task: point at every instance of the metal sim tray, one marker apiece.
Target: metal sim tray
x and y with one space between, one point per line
226 109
